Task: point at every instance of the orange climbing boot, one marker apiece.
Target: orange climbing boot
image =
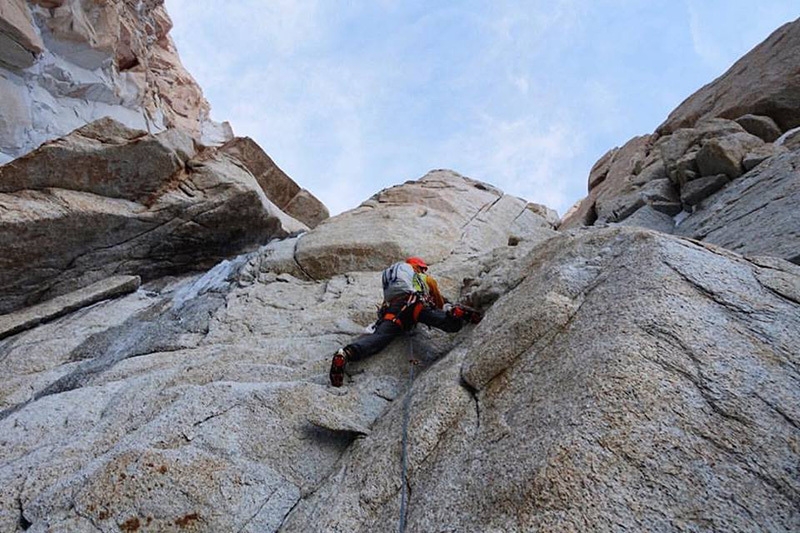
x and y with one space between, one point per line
337 367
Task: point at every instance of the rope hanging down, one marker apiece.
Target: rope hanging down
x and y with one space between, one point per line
405 491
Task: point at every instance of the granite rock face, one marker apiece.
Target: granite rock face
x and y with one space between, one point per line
755 214
204 401
67 63
620 378
557 414
107 200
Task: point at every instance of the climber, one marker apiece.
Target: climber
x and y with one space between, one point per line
409 296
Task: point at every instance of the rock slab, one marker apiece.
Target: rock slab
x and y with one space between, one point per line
31 317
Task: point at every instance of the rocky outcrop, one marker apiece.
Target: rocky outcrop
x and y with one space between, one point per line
762 127
553 413
677 179
766 81
621 379
280 188
755 214
108 200
66 63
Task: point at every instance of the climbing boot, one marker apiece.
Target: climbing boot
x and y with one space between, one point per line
337 367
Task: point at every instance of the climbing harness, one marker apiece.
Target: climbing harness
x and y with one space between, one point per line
405 491
413 301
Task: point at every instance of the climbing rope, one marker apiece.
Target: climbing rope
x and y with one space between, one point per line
406 489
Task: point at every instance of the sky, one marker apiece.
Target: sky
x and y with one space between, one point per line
350 97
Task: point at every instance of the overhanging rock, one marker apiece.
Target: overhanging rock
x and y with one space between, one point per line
108 200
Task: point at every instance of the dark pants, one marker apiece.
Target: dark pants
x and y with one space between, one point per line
386 332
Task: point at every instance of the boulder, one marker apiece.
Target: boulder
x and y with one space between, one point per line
662 196
686 168
651 218
441 213
765 82
108 200
724 155
307 208
755 213
679 150
654 171
758 155
760 126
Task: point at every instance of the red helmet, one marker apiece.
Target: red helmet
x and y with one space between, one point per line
417 263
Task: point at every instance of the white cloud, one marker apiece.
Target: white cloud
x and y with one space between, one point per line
521 83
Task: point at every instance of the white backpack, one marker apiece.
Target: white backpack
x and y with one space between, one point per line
400 279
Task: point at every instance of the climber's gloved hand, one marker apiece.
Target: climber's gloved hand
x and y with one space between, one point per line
464 313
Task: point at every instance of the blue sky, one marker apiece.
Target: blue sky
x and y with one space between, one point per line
351 97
